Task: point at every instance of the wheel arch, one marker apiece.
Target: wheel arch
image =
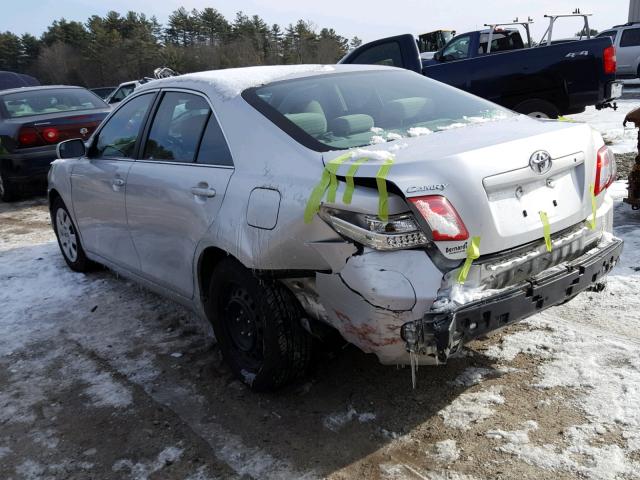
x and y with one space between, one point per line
53 195
206 264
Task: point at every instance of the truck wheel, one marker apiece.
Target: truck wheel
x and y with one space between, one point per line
68 238
7 189
257 325
537 109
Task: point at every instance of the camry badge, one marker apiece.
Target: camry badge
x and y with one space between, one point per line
540 162
426 188
84 131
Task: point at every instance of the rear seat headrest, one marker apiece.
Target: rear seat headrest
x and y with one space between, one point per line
351 124
315 124
404 109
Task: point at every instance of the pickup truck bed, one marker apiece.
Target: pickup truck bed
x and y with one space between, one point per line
545 81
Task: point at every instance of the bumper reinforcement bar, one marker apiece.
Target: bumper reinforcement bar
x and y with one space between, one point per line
441 334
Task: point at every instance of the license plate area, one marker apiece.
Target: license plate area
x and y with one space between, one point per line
616 90
517 198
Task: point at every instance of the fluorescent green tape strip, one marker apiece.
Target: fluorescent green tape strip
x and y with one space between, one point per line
594 208
328 173
313 204
546 228
383 196
333 168
353 169
473 253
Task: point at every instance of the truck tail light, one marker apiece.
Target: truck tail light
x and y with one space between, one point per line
29 137
610 60
605 170
443 219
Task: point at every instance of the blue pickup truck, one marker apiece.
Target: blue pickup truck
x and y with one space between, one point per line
545 81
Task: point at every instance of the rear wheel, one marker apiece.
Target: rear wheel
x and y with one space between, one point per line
68 238
537 108
7 189
257 325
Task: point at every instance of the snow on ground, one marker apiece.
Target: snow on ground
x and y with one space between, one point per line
446 451
407 472
47 313
597 357
586 355
142 470
470 408
609 123
337 421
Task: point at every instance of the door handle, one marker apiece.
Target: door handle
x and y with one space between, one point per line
203 192
118 182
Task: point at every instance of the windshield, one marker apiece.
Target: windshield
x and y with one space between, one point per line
54 100
347 110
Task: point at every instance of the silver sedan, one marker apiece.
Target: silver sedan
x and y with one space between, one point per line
285 203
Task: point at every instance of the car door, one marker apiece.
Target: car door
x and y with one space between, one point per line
99 182
452 65
629 51
176 187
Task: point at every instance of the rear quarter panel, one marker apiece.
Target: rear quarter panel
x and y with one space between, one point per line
267 158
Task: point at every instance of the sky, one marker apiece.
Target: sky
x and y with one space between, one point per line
367 19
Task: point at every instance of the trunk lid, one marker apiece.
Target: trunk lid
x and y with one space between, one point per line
484 171
51 130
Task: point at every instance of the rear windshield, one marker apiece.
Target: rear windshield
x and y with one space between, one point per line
54 100
339 111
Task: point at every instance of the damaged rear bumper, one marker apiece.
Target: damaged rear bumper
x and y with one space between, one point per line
439 334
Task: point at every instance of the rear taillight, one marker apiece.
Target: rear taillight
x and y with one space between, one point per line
444 221
610 60
605 170
51 134
29 137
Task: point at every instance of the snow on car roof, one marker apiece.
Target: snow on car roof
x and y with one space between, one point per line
229 83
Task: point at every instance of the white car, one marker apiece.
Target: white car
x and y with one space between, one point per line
122 91
280 203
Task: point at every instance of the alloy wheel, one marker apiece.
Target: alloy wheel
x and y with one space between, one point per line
67 235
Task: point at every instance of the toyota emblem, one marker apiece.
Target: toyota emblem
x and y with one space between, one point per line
540 162
84 131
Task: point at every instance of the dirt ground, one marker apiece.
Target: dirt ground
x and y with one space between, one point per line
624 164
100 379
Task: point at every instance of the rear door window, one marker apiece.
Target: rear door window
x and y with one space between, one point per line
630 38
117 139
177 128
213 148
500 42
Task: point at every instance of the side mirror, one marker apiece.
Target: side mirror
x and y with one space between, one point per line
73 148
438 56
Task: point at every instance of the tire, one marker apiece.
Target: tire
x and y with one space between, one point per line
537 108
68 238
257 325
7 189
